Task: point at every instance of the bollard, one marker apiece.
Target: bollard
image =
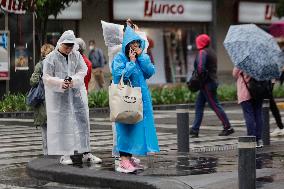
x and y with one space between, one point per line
247 162
182 128
266 126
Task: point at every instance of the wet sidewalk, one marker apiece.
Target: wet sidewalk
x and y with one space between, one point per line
168 170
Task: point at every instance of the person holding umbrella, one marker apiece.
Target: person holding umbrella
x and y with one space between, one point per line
206 64
257 54
252 108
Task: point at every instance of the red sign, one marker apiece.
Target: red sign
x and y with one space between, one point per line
4 74
151 7
269 11
14 6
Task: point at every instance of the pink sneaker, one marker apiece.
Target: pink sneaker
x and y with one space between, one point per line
136 163
125 167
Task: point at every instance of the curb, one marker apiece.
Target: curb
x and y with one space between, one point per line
21 115
29 115
48 168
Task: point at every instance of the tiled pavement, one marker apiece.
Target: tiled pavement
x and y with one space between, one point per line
19 144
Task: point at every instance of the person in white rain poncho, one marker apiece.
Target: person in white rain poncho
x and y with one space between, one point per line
66 101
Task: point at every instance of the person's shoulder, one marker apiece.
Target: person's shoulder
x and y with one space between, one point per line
86 59
99 50
209 50
120 57
50 57
76 53
38 65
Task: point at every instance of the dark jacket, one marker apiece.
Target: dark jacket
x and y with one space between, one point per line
97 58
206 62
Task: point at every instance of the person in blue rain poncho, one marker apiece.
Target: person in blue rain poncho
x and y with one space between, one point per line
135 66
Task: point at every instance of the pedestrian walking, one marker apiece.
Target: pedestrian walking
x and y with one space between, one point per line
68 127
39 110
134 66
279 131
97 58
82 48
206 66
252 108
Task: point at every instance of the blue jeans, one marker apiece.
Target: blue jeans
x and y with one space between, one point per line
252 111
209 94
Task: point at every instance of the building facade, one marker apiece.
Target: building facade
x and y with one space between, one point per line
170 25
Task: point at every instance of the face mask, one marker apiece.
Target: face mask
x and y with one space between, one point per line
91 47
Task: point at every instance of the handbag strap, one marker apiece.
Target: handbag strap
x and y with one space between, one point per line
246 84
244 81
41 70
122 83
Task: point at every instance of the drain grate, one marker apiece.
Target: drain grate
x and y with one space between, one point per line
214 148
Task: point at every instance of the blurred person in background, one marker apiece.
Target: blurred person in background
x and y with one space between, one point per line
82 48
40 111
98 61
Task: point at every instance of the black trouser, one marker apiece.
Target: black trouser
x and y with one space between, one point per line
125 154
275 111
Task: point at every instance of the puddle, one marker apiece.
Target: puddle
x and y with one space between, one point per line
163 164
186 164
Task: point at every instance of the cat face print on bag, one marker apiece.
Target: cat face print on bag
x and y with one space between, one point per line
129 99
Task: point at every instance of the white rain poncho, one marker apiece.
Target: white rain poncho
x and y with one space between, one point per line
113 37
68 127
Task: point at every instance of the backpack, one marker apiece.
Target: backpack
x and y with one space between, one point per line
196 81
259 90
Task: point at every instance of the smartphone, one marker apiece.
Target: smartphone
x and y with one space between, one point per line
68 78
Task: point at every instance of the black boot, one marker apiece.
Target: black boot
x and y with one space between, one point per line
193 133
227 132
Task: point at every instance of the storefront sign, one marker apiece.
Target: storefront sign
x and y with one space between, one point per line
255 12
4 56
13 6
163 10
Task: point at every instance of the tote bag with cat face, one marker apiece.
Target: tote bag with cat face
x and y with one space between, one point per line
125 102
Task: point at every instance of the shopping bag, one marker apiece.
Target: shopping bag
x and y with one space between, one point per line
125 102
36 95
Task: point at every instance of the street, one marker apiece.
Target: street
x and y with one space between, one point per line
21 142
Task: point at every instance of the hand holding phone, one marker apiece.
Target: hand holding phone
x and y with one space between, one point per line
132 55
68 83
138 51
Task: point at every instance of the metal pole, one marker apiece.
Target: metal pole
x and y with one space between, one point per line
34 40
247 162
182 128
266 126
9 49
214 25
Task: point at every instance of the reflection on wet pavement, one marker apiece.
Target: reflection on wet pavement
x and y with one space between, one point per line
162 164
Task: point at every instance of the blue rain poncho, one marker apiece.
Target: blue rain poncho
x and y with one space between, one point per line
68 127
140 138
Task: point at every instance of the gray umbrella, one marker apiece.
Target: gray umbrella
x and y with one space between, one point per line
254 51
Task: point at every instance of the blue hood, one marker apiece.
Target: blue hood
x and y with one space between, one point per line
129 36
